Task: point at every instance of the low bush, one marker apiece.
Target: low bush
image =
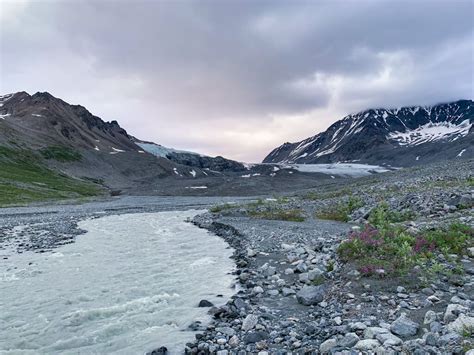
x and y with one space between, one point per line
382 215
222 207
341 211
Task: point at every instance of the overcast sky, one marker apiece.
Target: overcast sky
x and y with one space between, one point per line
237 78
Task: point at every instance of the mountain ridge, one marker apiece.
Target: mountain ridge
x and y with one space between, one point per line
376 135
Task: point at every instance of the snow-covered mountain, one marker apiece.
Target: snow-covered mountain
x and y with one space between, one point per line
398 137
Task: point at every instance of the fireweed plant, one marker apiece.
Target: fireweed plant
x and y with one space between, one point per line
383 248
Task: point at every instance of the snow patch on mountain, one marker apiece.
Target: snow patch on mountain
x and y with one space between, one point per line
432 131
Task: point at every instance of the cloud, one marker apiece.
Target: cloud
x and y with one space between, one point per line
237 78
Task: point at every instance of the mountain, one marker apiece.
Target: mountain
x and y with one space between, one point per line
70 140
397 137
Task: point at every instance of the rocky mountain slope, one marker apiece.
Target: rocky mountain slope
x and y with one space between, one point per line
397 137
69 139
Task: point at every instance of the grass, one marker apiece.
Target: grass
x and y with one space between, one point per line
384 246
295 215
23 179
60 153
341 211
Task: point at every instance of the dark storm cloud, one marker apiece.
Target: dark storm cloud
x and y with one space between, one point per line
244 68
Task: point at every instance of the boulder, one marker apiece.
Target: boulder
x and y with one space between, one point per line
310 295
367 344
452 312
349 340
461 324
327 346
254 337
404 326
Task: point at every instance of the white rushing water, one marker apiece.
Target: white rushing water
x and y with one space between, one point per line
129 285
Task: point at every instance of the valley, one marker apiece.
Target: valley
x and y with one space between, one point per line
327 246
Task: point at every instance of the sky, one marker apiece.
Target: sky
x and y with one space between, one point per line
237 78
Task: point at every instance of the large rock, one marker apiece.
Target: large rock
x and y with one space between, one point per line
404 326
372 332
452 312
310 295
254 337
327 346
249 322
388 339
461 324
367 344
430 317
349 340
205 303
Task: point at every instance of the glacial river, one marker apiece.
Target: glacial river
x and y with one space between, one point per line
131 284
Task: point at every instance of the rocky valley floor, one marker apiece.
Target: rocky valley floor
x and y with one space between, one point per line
302 292
381 264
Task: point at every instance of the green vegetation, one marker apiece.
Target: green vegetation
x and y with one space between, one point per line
223 207
382 215
470 181
295 215
330 265
341 211
384 246
60 153
24 180
319 280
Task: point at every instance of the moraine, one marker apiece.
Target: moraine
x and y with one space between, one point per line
131 284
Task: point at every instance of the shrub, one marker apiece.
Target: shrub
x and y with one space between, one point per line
452 240
381 216
341 211
223 207
396 251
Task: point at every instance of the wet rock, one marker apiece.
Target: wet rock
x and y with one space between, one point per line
160 351
205 303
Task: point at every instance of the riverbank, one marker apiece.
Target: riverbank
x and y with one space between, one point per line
408 285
